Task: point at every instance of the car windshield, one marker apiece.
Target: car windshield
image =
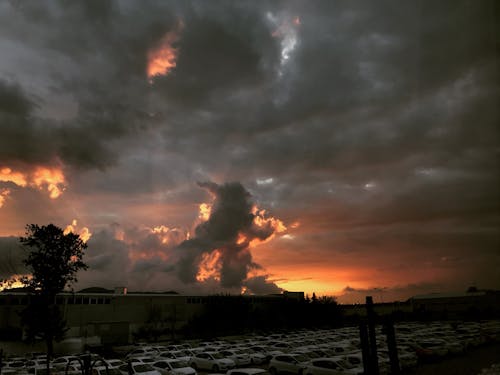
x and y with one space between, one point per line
217 355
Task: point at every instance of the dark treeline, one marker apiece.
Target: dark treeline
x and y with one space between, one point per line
229 315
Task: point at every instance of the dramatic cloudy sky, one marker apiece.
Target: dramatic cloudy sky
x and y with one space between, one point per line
342 148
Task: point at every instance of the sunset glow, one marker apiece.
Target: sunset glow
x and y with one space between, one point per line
217 147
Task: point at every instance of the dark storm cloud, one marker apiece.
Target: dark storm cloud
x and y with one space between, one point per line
261 285
383 113
11 257
231 215
21 140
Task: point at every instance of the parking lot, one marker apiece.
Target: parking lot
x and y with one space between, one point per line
423 348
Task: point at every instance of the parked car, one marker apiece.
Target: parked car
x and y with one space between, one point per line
288 363
211 361
114 363
332 366
239 357
256 358
182 355
248 371
144 351
101 370
173 367
141 359
138 368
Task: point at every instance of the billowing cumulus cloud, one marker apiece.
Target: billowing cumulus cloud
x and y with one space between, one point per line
356 120
226 235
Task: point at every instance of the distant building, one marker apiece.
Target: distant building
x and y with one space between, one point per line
457 304
114 315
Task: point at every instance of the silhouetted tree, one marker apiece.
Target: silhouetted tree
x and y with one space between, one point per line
314 299
53 259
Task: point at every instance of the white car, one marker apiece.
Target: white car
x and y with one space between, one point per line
114 363
211 361
145 351
239 357
138 368
288 363
182 355
101 370
173 367
256 358
148 360
331 366
248 371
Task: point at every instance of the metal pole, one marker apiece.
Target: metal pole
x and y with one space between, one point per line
392 347
365 347
372 336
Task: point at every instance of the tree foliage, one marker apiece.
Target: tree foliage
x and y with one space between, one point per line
53 260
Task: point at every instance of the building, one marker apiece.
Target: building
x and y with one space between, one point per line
114 316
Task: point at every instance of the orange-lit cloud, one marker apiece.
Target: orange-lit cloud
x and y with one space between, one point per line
262 221
8 175
14 281
209 266
170 236
162 58
84 232
51 180
204 211
4 193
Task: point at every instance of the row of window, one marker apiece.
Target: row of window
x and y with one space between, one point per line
60 300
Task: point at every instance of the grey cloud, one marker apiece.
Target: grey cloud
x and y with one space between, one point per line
261 285
11 257
381 93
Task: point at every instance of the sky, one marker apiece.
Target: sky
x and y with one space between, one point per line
341 148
